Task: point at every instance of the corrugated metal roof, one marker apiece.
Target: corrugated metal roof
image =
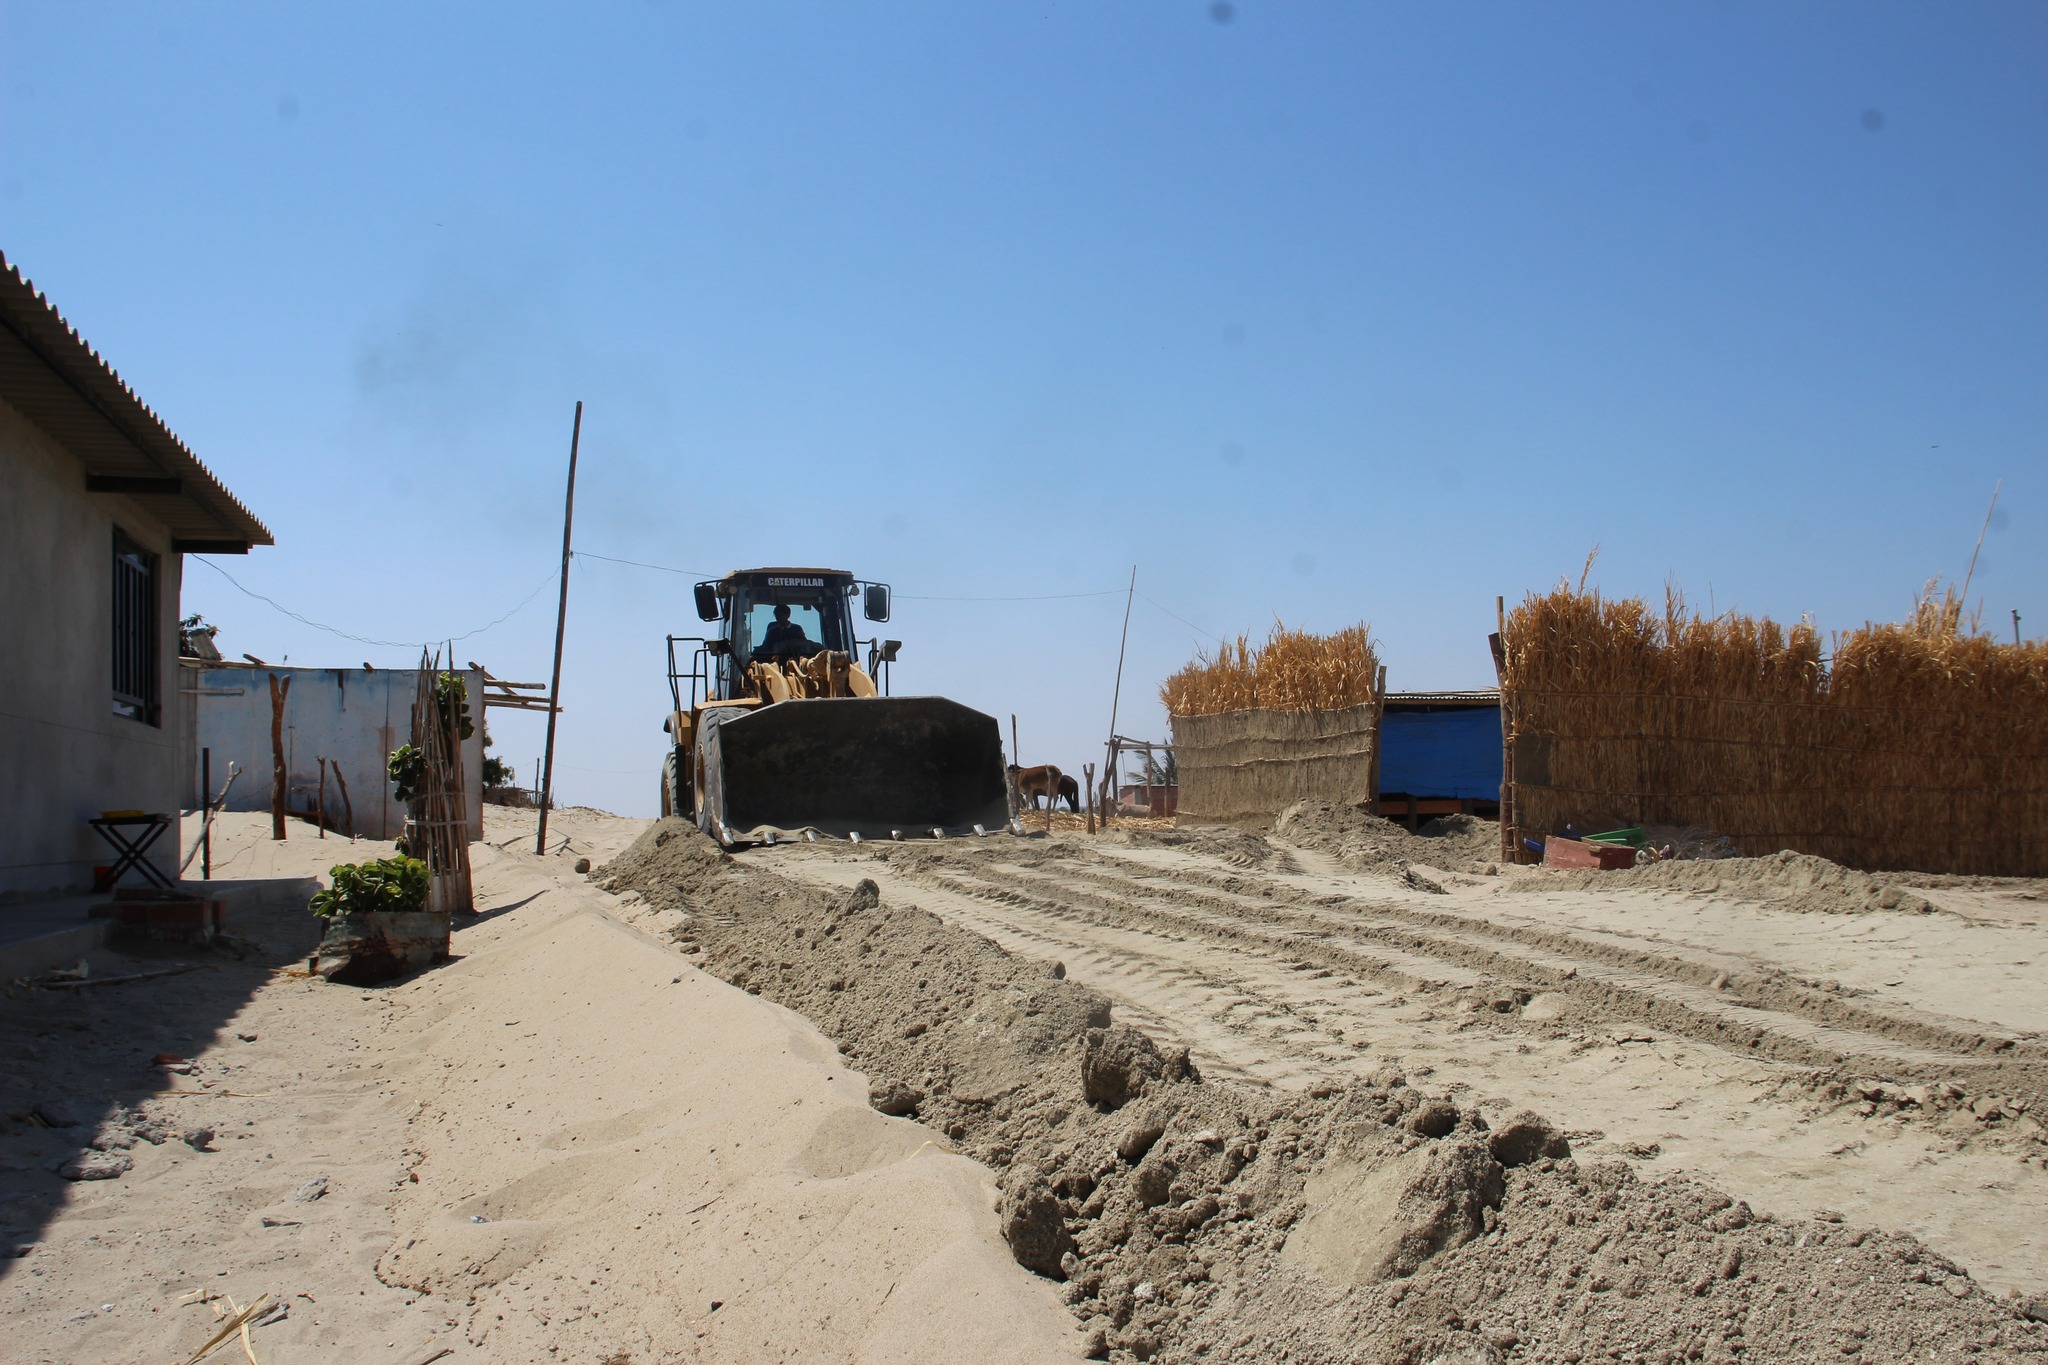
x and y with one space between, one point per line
49 372
1482 697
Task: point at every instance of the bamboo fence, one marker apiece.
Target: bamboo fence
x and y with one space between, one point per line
437 823
1920 745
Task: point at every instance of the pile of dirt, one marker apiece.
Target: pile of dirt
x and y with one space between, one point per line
668 863
1466 836
1199 1220
1368 843
1784 881
945 1023
1225 843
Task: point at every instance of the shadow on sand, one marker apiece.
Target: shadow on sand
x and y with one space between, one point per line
86 1055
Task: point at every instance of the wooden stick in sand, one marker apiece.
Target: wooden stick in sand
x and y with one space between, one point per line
348 812
83 982
279 779
237 1322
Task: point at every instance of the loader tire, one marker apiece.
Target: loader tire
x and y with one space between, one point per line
672 798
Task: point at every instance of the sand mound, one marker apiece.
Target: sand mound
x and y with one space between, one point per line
1225 843
1381 1214
943 1021
1367 843
1786 881
668 861
1194 1220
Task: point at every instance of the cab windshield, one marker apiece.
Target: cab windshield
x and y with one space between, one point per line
762 630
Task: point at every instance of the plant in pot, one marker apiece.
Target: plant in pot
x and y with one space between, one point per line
377 923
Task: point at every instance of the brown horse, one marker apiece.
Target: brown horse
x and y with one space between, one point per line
1047 781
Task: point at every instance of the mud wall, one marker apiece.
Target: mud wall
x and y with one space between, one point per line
1247 766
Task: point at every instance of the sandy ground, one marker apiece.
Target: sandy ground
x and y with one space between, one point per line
569 1144
1276 1200
565 1145
1702 1034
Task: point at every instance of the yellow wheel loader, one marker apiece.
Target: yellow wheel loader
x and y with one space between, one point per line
779 731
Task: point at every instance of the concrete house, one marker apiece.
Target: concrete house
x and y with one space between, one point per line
99 502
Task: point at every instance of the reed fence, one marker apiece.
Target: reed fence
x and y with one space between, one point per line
1918 745
1256 728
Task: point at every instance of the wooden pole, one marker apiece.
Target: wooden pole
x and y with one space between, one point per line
1107 802
348 811
547 780
1016 754
279 779
1089 788
1379 734
1117 694
206 815
320 811
1510 846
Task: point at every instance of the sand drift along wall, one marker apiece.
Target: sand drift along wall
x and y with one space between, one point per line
1256 729
1921 745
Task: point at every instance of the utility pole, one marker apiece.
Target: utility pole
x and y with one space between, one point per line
1116 696
547 780
2015 625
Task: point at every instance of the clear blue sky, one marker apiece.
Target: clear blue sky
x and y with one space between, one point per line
1329 312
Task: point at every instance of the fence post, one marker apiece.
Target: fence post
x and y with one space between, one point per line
1510 844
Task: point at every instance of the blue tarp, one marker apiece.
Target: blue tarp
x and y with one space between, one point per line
1442 753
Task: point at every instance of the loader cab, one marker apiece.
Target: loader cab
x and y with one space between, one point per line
818 604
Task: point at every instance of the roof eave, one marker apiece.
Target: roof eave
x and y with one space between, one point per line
50 373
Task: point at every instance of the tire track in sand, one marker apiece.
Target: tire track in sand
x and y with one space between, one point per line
1280 984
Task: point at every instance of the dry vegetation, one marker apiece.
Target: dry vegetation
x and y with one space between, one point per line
1295 670
1922 744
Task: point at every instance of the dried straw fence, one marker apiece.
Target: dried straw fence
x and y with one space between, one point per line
1920 745
1256 729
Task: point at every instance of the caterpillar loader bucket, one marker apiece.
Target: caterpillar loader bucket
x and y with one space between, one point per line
867 767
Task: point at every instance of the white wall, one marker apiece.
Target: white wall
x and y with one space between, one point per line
351 716
64 755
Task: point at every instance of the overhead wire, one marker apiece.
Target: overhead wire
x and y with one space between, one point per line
901 596
1033 597
658 568
365 639
1184 621
540 587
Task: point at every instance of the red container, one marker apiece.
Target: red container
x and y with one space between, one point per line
1559 851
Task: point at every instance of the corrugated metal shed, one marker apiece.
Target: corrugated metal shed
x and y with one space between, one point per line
60 383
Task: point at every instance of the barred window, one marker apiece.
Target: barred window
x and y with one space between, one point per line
135 632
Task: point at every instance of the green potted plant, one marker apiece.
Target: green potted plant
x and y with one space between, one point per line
378 926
